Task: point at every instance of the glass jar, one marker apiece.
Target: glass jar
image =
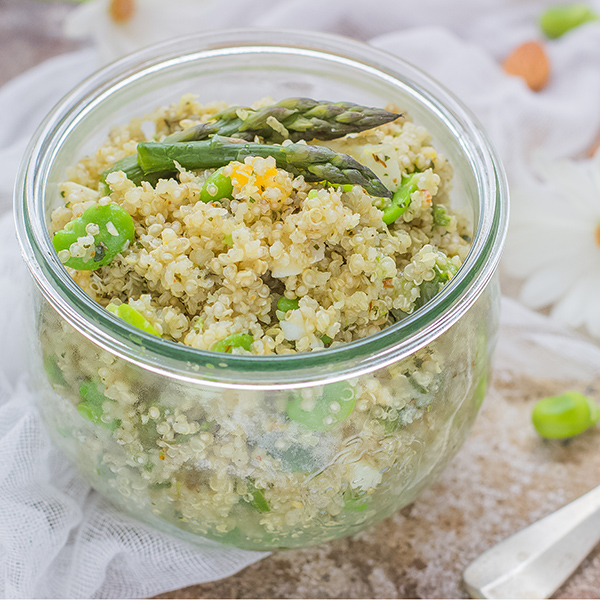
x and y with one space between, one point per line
198 443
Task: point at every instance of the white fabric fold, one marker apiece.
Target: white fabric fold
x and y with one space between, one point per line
60 539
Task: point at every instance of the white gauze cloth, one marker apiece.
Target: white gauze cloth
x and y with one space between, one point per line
60 539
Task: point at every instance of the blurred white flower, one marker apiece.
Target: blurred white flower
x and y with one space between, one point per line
121 26
554 241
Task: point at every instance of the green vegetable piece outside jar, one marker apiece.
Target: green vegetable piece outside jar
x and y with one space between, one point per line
112 229
401 199
235 340
284 304
328 410
132 316
564 416
557 20
216 187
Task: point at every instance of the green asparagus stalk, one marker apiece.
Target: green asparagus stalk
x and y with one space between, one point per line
305 119
315 163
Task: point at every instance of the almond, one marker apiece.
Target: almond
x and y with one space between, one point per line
593 149
530 62
122 10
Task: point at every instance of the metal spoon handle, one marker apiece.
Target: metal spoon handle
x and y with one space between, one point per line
534 562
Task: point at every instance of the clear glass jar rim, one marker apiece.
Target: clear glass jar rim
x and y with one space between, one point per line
260 372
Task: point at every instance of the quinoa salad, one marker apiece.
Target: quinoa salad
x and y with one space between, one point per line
279 228
294 266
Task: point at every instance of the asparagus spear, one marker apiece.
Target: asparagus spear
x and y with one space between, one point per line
315 163
305 119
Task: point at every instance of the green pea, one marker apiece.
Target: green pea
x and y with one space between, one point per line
235 340
132 316
566 415
440 216
284 304
401 198
116 232
557 20
332 407
216 187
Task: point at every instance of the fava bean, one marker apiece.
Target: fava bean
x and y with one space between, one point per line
235 340
440 216
284 304
132 316
91 407
429 289
332 407
216 187
566 415
557 20
258 501
356 501
111 228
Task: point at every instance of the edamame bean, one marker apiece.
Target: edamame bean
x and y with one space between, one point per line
235 340
216 187
284 304
566 415
401 198
332 407
557 20
111 229
132 316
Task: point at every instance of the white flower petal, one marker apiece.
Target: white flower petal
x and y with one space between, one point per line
571 309
549 284
152 22
529 249
592 310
